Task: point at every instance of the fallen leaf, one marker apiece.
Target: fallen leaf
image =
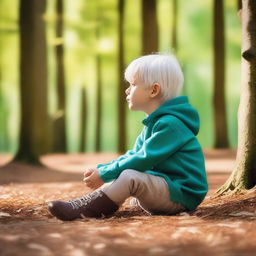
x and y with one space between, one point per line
5 196
55 235
4 214
243 213
39 247
182 230
99 246
230 225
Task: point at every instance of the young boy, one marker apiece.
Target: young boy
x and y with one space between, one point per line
165 170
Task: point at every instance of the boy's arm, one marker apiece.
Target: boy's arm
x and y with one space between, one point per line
136 147
166 139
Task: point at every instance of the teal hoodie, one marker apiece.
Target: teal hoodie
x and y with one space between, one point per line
168 147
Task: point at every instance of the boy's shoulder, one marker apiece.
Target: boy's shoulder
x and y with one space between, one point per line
168 120
169 123
175 124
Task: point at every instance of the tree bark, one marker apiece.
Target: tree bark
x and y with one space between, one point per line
4 140
121 88
98 120
149 27
174 25
83 119
244 174
34 125
220 120
59 126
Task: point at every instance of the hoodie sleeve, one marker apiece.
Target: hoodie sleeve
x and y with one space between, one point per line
136 147
167 137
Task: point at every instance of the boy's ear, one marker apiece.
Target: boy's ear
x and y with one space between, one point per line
155 89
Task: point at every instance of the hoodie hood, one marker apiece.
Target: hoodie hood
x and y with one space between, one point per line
180 108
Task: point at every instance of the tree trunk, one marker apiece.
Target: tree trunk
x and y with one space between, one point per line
33 138
3 118
98 120
59 126
3 111
83 119
220 121
121 88
239 8
149 27
244 173
239 5
174 26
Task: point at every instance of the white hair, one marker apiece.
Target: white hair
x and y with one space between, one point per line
157 68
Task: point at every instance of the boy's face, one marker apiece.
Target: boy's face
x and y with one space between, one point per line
138 96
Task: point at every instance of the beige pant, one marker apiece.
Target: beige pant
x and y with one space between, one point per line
151 192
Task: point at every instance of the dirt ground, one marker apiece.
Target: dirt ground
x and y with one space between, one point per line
221 226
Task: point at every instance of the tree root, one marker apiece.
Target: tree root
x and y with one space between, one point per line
228 189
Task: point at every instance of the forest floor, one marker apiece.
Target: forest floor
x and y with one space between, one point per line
220 226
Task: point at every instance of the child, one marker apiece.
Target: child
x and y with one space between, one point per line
165 170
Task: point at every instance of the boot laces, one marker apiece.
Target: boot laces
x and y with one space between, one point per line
82 201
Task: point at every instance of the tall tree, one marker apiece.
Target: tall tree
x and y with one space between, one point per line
3 108
3 117
174 38
149 27
244 173
83 118
33 138
239 8
239 5
59 122
121 92
220 119
98 102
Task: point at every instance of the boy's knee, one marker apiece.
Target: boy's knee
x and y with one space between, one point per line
127 174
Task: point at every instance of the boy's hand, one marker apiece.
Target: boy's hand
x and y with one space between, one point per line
92 178
88 172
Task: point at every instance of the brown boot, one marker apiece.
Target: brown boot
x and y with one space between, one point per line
96 205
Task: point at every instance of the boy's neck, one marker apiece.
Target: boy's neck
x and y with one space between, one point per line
152 106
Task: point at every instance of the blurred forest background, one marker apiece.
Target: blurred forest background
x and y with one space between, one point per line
90 46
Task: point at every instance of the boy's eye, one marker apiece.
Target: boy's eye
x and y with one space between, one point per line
130 84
